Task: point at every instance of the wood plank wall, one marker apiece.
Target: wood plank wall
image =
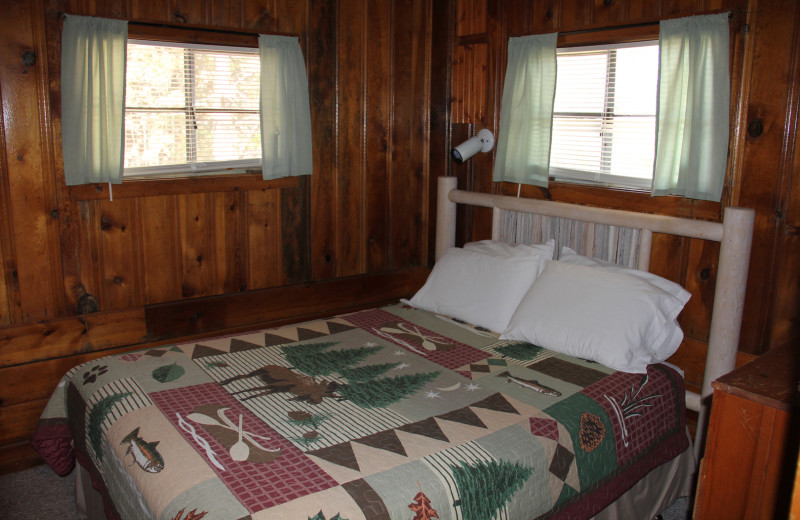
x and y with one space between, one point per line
169 260
764 159
394 85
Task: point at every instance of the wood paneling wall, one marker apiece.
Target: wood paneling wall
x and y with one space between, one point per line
769 173
172 259
763 166
394 84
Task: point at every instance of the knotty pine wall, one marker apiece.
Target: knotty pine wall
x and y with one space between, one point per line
394 84
168 260
764 157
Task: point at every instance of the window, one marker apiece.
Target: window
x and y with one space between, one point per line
191 108
604 114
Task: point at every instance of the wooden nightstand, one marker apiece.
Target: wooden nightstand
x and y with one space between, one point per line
751 449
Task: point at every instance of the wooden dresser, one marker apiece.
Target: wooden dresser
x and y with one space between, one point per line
751 449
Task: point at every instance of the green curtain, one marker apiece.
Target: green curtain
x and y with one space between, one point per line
285 108
693 107
526 116
93 99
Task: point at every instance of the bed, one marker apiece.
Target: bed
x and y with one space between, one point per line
412 411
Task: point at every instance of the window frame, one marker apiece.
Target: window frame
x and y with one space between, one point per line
591 39
185 182
639 199
191 168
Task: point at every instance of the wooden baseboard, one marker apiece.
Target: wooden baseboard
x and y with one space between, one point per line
17 457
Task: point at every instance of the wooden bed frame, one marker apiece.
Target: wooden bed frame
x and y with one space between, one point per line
734 234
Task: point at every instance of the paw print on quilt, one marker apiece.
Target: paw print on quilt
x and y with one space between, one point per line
90 376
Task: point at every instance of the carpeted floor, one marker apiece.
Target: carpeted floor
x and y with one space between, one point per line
677 511
40 494
37 494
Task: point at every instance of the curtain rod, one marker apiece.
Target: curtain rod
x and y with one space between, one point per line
206 28
645 24
611 28
191 27
634 25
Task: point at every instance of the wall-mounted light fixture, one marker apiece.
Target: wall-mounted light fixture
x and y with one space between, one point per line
483 142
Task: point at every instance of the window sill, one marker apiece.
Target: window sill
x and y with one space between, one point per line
618 198
179 186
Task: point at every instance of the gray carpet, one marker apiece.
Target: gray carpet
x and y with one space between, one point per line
677 511
40 494
37 494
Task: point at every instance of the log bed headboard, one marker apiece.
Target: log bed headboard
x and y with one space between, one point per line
734 234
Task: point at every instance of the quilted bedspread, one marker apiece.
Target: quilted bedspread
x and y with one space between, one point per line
390 413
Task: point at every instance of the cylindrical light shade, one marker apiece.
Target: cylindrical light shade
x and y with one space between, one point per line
483 142
467 149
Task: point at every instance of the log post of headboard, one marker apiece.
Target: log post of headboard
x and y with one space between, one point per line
726 314
645 246
445 216
735 235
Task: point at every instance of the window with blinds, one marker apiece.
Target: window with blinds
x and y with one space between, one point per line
604 115
191 109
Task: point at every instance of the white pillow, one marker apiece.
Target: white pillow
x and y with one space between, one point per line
476 287
609 317
569 256
675 336
497 248
670 344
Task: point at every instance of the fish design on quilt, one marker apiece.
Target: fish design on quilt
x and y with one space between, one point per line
144 453
530 384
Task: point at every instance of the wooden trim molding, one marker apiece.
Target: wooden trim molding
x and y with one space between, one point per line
70 336
179 185
618 198
604 35
186 319
300 302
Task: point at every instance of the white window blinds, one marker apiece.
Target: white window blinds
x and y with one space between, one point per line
604 114
191 108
